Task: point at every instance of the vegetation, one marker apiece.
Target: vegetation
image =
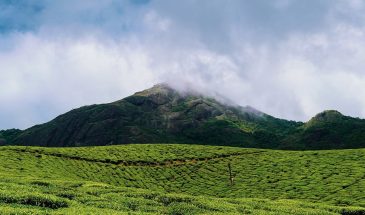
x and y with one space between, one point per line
164 115
183 179
180 179
8 135
330 130
34 196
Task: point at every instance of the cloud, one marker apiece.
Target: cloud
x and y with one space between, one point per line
291 59
40 78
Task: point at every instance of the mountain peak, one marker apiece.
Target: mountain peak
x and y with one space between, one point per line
158 94
328 115
162 88
158 114
164 114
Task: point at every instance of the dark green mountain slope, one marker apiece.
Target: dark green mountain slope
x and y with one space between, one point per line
160 114
8 135
329 130
164 115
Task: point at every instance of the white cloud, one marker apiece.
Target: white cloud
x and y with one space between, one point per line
321 71
292 74
62 75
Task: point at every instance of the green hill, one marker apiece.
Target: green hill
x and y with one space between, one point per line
164 115
160 114
330 130
144 177
8 135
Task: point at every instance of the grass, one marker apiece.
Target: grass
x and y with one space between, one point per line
32 196
180 179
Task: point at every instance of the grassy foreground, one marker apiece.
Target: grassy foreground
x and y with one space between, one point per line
34 196
180 179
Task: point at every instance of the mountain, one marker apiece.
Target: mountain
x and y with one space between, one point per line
8 135
330 130
164 115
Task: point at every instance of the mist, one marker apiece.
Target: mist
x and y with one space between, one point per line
287 59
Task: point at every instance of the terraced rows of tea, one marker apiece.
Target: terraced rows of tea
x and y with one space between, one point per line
335 177
34 196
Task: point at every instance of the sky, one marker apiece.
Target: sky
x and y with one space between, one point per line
289 58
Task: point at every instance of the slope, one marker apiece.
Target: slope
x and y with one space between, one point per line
44 196
329 130
164 115
8 135
334 177
160 114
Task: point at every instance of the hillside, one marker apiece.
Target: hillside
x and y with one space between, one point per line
8 135
330 130
160 114
334 177
180 179
45 197
164 115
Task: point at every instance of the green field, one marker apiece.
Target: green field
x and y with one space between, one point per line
180 179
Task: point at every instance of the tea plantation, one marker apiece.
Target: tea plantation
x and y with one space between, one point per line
180 179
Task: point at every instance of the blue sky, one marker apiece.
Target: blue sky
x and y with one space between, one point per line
289 58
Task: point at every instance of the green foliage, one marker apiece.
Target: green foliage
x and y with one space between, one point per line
180 179
100 198
183 179
221 132
163 115
7 136
32 199
329 130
